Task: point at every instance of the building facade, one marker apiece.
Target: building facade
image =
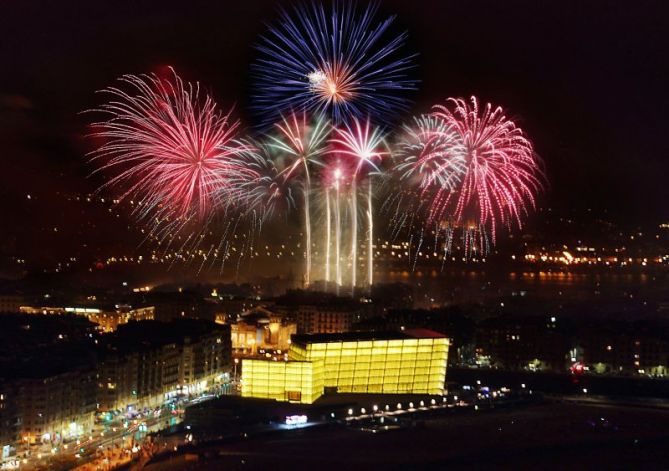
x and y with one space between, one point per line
56 407
261 329
325 319
150 362
107 320
293 381
407 362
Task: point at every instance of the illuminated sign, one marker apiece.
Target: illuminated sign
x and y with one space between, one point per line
296 419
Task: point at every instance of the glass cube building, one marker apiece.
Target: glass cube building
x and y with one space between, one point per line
294 381
406 362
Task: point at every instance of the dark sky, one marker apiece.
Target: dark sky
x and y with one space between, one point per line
587 80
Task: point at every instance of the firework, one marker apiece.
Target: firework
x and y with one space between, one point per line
429 165
335 61
334 179
170 148
299 145
431 156
179 161
461 168
269 194
502 171
361 146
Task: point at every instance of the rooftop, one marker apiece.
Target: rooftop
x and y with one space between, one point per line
366 336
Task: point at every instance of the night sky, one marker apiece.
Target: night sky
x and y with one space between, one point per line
587 81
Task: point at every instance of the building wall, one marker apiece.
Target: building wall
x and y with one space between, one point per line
380 366
624 353
107 321
203 360
146 378
294 381
324 320
244 336
400 366
57 405
8 414
247 338
277 333
117 382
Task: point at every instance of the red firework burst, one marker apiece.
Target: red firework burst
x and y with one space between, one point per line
170 148
502 172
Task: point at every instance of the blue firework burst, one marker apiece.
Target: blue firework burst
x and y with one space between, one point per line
337 61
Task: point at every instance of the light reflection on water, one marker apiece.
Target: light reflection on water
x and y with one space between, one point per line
525 276
433 288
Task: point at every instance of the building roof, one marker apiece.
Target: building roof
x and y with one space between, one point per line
140 335
365 336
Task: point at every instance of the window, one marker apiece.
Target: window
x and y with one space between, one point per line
294 395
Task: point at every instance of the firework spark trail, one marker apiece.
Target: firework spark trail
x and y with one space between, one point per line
204 259
431 165
334 61
224 257
354 235
420 244
269 193
302 142
394 201
370 238
400 225
361 145
328 232
226 237
337 230
219 249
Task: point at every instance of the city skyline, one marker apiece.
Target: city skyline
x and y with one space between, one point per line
333 234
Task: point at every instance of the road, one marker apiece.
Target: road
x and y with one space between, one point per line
109 444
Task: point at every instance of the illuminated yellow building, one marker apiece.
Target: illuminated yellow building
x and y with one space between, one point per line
294 381
407 362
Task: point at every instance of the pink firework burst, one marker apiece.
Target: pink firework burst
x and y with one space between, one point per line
171 149
430 157
502 172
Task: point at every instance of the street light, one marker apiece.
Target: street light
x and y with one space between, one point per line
235 372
